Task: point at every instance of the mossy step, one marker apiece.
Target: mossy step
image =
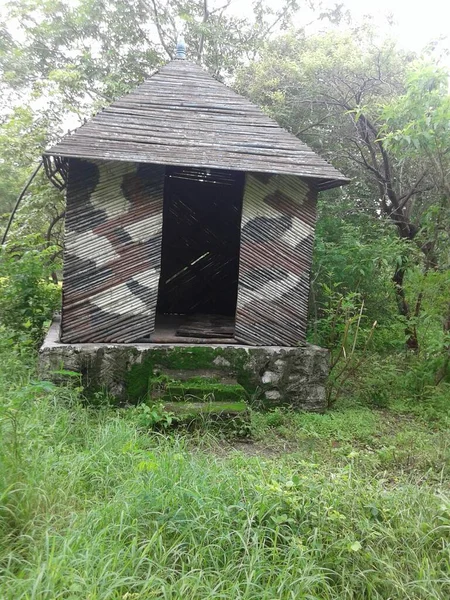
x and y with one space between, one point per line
229 361
214 375
231 417
226 409
198 391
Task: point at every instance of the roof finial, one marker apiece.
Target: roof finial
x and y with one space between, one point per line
181 48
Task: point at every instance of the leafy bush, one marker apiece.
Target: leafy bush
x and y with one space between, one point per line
151 416
353 257
28 296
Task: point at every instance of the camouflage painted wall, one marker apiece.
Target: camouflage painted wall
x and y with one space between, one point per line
277 234
112 251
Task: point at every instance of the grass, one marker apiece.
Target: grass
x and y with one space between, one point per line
352 504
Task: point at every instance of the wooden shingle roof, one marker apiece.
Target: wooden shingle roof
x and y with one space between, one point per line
183 116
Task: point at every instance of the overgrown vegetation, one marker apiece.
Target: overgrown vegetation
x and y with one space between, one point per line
28 295
103 503
350 504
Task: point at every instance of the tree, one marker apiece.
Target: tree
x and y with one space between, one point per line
87 53
417 128
333 90
70 59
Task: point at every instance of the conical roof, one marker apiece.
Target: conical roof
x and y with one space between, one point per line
182 116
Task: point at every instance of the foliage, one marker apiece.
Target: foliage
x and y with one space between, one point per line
417 122
151 416
82 54
407 385
23 135
361 101
320 87
354 254
348 340
367 360
28 296
417 128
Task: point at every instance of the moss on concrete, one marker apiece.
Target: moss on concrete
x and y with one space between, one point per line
142 377
186 358
202 391
196 408
270 376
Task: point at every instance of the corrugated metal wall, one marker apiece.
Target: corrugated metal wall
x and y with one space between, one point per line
277 234
112 251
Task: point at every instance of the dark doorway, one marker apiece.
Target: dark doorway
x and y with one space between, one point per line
200 250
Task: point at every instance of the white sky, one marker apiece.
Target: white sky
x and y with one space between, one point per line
414 24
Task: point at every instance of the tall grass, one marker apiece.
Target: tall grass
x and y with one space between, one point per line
93 508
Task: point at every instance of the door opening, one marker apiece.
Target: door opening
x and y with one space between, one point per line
200 254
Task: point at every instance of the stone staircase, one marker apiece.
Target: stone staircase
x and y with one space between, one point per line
199 394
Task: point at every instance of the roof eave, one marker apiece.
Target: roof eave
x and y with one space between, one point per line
329 184
320 182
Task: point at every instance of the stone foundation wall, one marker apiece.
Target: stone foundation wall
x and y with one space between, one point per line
271 375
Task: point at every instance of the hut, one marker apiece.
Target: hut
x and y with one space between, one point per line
190 218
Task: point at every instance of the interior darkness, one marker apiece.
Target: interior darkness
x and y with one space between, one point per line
200 242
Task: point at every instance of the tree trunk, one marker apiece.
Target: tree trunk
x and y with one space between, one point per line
412 342
445 368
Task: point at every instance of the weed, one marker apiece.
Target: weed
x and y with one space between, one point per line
151 416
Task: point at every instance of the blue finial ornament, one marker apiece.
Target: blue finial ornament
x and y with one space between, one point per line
181 49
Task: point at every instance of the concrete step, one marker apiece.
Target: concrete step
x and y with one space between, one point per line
196 390
226 409
202 397
231 417
188 374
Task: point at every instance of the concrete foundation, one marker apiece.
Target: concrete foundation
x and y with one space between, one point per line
271 375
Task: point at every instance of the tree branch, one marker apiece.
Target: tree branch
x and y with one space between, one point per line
160 30
202 36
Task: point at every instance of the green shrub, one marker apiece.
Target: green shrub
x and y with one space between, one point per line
28 296
353 258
